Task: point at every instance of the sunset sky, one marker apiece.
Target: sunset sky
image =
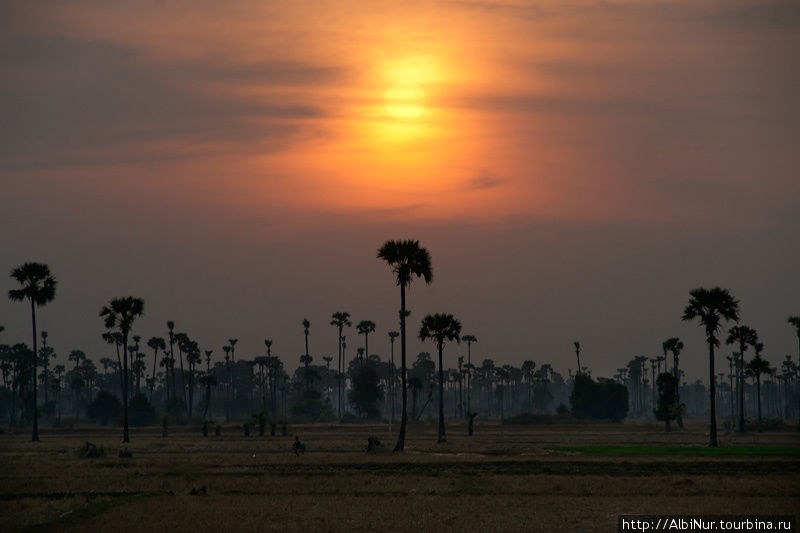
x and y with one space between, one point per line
573 168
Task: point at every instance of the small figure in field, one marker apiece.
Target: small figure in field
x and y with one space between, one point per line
471 425
373 444
299 447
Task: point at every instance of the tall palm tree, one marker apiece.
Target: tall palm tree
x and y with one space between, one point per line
365 327
578 355
392 336
795 321
171 361
674 345
340 319
227 350
756 367
407 259
306 360
38 287
711 306
469 339
744 336
440 327
155 343
120 313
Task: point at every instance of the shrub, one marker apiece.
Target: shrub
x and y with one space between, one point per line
600 400
104 407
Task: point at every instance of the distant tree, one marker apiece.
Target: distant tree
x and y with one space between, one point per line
365 327
469 339
795 321
39 288
104 407
155 344
668 406
366 391
756 367
605 400
121 313
440 327
711 306
307 359
340 319
674 346
141 412
407 259
578 356
744 336
392 336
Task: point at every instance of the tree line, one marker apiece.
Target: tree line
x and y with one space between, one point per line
365 386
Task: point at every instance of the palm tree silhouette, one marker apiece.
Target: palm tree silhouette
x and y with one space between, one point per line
306 359
38 287
711 306
227 350
440 327
744 336
392 336
171 361
756 367
469 339
121 313
340 319
407 259
674 345
795 321
578 355
365 327
156 344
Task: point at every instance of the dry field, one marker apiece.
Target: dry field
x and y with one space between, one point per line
502 479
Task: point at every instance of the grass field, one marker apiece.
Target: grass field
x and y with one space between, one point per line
520 478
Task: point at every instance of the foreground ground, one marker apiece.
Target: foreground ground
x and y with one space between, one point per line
505 478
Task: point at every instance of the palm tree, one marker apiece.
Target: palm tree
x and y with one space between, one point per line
306 360
743 335
227 350
340 319
392 336
469 339
440 327
121 313
674 345
578 355
365 327
795 321
711 306
171 361
755 368
407 259
155 343
39 287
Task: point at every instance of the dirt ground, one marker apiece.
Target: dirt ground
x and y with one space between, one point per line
502 479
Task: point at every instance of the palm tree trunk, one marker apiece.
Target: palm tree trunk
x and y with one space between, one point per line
341 401
125 437
469 376
442 436
153 383
740 364
391 387
712 398
35 434
401 437
758 392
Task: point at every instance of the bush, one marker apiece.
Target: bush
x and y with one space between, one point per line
140 412
104 407
599 400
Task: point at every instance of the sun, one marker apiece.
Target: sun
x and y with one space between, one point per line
405 103
408 81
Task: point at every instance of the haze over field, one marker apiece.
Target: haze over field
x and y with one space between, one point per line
573 170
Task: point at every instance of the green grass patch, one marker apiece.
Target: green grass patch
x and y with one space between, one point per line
737 451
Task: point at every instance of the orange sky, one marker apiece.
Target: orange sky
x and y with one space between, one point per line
529 129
